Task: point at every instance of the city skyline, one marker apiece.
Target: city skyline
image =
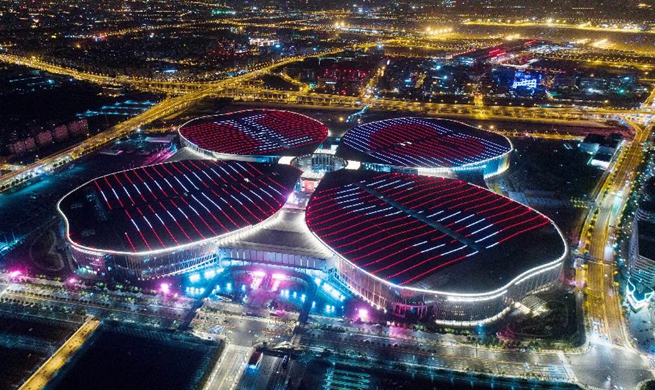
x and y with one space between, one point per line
295 195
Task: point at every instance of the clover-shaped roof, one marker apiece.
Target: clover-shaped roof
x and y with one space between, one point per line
163 207
255 133
430 233
422 143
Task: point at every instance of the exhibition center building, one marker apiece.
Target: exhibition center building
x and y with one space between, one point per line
387 216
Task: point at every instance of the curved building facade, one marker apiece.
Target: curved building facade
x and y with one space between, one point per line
411 242
403 234
426 146
253 135
166 219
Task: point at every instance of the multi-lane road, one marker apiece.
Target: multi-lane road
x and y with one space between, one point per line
227 372
539 113
439 354
589 366
603 306
597 239
192 92
165 108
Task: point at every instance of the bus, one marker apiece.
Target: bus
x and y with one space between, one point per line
255 360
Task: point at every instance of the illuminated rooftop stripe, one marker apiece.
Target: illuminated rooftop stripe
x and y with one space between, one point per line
160 207
255 132
422 143
407 229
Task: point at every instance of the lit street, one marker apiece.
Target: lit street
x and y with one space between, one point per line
285 196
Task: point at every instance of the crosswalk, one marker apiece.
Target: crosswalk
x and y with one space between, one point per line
229 369
336 378
566 367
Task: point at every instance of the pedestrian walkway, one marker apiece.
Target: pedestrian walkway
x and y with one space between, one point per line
567 367
41 377
344 379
